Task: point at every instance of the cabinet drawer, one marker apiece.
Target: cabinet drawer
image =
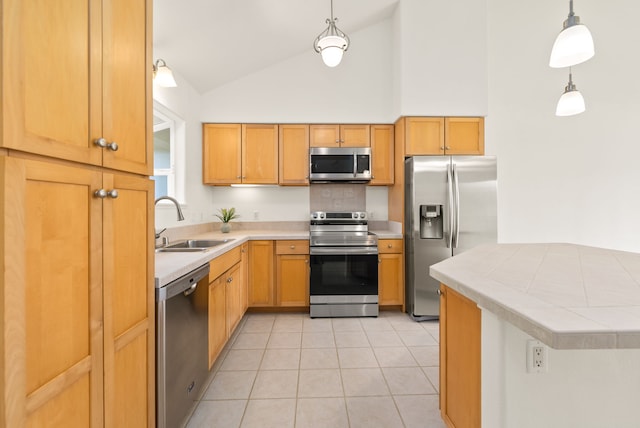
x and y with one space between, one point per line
390 246
298 246
222 263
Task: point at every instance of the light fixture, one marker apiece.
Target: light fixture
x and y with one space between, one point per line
571 102
163 75
573 45
331 43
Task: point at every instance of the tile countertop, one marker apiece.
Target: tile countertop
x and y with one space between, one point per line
567 296
170 266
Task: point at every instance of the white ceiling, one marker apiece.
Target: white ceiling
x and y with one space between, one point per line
211 42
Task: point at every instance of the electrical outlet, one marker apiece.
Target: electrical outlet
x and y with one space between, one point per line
537 357
256 215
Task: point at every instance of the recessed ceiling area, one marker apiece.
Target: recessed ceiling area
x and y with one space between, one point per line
212 42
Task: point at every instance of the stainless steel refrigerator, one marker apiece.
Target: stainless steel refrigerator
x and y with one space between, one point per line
450 207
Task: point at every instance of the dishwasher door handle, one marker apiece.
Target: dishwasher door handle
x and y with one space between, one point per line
191 289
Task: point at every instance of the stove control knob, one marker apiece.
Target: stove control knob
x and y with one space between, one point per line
363 215
314 215
321 215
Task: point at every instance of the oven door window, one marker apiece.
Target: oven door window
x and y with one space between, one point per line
332 164
353 274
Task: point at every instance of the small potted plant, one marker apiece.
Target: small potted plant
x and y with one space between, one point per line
226 215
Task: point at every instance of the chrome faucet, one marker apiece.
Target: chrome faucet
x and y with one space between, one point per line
177 204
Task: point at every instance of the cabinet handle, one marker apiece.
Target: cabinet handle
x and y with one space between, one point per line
379 260
238 177
102 193
440 293
101 142
448 147
244 177
306 260
230 279
441 147
292 246
389 246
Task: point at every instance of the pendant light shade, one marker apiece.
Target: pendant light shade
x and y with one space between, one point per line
571 102
332 43
163 75
573 45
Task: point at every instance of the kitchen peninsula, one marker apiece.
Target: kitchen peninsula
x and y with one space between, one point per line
580 305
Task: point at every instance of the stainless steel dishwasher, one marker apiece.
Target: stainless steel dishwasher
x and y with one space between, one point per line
182 362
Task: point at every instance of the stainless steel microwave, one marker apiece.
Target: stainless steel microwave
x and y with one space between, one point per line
347 164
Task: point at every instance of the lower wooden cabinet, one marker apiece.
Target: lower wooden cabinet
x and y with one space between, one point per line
217 318
261 277
292 273
226 291
390 272
460 335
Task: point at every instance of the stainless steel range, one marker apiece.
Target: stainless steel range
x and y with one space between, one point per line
344 265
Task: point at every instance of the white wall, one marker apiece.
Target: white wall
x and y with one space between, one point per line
443 57
591 388
573 179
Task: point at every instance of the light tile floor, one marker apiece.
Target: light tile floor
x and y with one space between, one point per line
288 370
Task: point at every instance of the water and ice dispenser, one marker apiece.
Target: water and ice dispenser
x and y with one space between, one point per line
431 222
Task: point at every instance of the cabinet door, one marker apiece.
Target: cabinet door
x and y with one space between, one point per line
261 281
51 72
126 81
424 136
382 147
260 154
129 302
354 136
217 318
244 277
233 295
294 155
464 135
292 272
221 158
52 301
459 360
390 272
292 280
324 135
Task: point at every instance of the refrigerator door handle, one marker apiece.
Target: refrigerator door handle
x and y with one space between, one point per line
456 188
451 206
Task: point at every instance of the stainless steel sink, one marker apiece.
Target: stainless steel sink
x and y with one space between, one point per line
191 245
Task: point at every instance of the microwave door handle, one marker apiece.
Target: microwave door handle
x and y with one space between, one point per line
355 165
451 207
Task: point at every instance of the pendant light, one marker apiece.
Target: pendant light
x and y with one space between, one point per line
331 43
573 45
571 102
163 75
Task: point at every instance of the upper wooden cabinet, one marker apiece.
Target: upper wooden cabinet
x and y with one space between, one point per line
444 136
74 78
234 154
382 147
294 155
339 135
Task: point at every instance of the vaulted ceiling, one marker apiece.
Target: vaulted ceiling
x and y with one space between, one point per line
211 42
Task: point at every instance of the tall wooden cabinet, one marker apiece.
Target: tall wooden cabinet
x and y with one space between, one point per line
294 155
382 148
76 217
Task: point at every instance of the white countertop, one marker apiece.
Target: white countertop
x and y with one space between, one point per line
567 296
170 266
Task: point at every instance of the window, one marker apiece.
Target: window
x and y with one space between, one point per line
168 153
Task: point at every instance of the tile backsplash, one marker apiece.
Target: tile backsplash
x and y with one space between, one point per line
338 197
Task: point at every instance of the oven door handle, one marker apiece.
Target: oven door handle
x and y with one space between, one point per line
341 251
